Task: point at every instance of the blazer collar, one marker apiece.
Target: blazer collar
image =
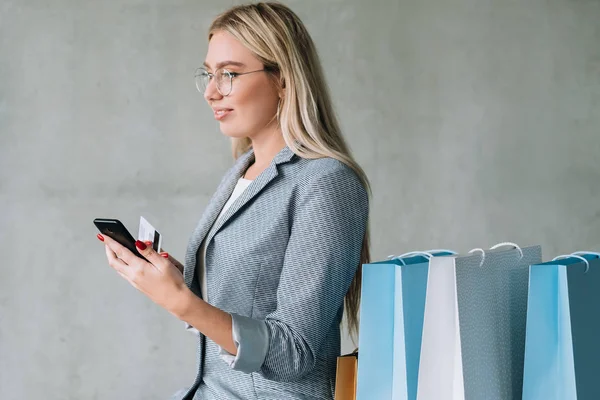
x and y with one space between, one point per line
222 195
246 159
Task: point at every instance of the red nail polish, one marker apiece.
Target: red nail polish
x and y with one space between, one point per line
148 243
100 237
140 245
165 255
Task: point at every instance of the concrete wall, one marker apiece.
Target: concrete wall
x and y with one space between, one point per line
477 122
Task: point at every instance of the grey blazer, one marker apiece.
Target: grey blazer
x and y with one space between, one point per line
280 261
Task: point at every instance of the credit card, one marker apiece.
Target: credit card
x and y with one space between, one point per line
148 233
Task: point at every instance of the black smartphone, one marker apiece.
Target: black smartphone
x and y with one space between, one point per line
115 229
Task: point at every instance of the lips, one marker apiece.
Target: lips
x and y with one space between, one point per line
221 113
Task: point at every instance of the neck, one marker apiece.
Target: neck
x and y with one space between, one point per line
267 147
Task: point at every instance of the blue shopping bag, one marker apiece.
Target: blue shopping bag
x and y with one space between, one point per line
391 324
562 345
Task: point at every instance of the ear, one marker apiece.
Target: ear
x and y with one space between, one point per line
282 88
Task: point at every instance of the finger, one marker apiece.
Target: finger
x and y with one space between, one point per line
150 255
122 269
117 264
134 274
160 251
121 251
151 244
173 261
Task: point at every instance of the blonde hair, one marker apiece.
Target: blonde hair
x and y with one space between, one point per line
278 38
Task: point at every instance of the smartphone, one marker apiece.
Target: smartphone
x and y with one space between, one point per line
115 229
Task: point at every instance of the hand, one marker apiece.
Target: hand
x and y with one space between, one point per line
158 278
167 256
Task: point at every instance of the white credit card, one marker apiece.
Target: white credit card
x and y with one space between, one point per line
148 233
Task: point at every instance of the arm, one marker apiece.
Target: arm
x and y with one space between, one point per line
211 321
162 281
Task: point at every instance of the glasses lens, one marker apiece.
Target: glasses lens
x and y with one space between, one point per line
223 78
202 77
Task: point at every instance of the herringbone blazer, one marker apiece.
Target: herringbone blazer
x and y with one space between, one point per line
280 261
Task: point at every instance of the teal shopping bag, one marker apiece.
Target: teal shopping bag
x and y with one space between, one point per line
474 325
391 323
562 348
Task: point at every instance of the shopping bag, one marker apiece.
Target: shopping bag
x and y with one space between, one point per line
562 348
474 326
391 321
345 376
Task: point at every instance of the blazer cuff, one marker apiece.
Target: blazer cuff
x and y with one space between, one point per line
251 338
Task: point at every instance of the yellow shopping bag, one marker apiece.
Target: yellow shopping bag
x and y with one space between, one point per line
345 377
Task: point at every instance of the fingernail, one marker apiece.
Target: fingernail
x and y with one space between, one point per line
148 243
100 237
140 245
165 255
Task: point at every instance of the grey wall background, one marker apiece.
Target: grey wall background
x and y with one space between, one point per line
477 122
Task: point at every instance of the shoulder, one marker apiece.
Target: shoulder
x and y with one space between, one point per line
306 171
326 176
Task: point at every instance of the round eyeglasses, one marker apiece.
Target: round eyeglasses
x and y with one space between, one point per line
223 79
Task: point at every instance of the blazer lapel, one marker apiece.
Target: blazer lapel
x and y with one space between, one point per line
253 189
212 211
220 198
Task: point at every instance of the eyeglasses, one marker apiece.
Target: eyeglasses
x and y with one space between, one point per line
223 79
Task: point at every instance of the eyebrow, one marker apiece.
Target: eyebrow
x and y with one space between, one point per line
225 63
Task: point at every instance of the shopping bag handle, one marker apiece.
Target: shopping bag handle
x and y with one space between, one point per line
587 253
410 254
494 247
587 263
427 254
452 252
516 246
482 254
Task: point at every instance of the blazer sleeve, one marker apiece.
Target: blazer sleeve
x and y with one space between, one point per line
320 262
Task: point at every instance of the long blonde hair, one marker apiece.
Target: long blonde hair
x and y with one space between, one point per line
279 39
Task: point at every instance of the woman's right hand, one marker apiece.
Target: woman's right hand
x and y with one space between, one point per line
166 255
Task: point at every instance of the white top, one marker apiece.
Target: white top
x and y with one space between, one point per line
241 185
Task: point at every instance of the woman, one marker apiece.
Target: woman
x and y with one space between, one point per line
282 240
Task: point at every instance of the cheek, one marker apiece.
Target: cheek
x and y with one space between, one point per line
255 108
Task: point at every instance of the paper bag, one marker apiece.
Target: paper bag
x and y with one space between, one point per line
562 347
474 326
345 377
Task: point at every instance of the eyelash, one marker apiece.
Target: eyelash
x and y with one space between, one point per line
234 74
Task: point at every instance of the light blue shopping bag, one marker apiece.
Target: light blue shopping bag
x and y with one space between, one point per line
562 345
391 324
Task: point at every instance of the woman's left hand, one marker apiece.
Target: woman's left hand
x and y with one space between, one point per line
157 278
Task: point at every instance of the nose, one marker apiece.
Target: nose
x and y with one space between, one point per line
211 93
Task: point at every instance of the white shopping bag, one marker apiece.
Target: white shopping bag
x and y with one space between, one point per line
440 370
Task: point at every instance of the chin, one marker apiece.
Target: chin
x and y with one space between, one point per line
233 133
